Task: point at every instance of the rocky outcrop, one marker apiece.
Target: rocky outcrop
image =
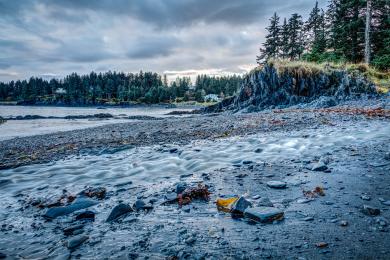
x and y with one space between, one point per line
279 87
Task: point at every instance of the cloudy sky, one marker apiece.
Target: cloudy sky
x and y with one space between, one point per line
52 38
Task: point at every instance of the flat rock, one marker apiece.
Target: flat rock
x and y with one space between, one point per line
78 204
76 241
118 211
277 184
263 214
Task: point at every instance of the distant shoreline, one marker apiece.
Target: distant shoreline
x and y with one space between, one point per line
103 106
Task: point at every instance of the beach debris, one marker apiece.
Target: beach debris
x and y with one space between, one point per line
200 192
98 193
225 204
317 191
264 214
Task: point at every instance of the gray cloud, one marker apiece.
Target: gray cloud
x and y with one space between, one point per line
56 37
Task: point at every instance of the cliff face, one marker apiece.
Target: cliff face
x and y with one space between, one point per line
282 87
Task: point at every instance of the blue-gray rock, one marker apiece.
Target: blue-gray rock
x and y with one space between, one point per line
265 202
141 205
70 230
239 206
86 215
78 204
319 167
76 241
170 198
386 202
180 187
263 214
118 211
370 211
277 184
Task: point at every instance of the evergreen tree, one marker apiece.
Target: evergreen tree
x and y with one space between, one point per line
296 44
284 40
271 46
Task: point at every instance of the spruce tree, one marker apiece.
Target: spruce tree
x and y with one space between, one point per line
315 30
284 40
271 46
296 43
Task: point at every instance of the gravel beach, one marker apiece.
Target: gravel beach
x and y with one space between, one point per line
316 178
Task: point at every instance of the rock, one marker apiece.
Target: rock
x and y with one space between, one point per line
141 205
264 214
386 202
303 201
277 184
170 198
265 202
99 193
173 150
387 156
256 197
76 241
275 85
239 206
319 167
247 162
323 102
365 197
343 223
118 211
78 204
308 219
190 241
258 150
2 255
70 230
370 211
180 187
321 244
86 215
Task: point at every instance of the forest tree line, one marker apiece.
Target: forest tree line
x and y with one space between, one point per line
116 88
336 34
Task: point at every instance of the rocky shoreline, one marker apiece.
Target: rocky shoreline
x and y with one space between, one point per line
330 204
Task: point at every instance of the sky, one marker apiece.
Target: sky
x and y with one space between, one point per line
53 38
